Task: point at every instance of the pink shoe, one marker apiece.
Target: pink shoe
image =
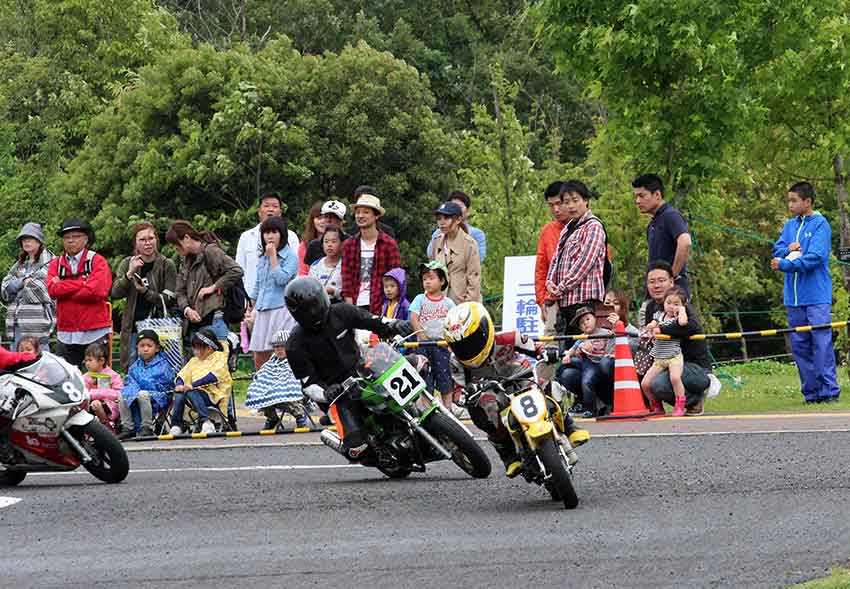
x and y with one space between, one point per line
656 409
679 410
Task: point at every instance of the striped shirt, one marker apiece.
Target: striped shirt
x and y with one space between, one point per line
664 349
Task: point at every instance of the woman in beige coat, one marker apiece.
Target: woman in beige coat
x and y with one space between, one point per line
459 252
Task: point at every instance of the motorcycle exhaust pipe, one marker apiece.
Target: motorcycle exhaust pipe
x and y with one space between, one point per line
332 441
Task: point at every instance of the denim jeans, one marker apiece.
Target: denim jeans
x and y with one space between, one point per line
218 326
589 380
200 401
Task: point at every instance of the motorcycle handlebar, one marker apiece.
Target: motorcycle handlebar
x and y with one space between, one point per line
347 385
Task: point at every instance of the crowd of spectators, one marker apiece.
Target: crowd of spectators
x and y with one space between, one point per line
70 293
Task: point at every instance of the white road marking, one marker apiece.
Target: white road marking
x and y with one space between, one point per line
168 447
722 433
8 501
217 469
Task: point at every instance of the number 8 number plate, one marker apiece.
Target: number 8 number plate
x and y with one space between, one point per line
529 406
403 382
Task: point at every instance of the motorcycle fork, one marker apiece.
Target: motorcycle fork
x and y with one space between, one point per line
85 457
414 424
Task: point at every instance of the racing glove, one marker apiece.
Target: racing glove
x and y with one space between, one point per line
332 392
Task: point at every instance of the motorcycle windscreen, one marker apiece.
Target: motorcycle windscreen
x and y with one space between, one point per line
66 385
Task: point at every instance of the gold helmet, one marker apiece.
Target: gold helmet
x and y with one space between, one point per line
469 333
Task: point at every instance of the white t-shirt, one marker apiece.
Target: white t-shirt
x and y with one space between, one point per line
328 276
248 253
432 313
367 262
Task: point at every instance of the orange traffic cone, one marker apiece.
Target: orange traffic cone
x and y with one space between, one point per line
628 400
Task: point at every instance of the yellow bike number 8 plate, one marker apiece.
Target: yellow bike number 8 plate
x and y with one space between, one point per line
529 406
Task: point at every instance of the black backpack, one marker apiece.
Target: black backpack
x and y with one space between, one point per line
235 298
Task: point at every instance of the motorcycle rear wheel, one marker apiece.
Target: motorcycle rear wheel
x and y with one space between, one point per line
11 478
109 459
556 467
466 453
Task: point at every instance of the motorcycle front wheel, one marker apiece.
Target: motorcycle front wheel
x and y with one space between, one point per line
466 452
109 459
559 477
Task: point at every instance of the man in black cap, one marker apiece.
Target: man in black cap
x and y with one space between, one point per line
79 281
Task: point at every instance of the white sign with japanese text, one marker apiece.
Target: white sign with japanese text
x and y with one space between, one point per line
519 307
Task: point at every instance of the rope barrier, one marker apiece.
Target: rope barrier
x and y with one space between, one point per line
762 332
753 236
734 335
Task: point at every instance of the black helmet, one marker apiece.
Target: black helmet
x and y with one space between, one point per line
308 302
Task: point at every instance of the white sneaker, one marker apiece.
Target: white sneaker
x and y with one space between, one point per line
175 430
714 385
207 427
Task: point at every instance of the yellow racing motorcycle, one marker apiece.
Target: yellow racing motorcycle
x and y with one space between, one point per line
537 426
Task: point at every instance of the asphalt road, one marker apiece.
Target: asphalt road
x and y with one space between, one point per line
755 510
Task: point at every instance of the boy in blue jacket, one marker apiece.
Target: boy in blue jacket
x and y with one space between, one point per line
802 253
145 391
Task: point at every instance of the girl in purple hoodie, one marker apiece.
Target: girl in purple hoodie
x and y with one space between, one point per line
396 305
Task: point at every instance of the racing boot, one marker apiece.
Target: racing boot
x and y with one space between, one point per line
507 452
576 435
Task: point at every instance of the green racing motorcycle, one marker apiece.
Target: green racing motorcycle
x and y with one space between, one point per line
403 434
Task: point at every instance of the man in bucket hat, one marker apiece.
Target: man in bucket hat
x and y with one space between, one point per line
367 256
79 281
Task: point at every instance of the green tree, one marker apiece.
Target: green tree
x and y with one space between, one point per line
806 88
671 77
498 172
61 63
202 132
454 51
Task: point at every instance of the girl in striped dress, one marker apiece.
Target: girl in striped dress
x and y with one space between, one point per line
275 388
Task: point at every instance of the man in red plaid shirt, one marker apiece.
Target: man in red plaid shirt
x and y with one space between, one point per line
576 272
367 256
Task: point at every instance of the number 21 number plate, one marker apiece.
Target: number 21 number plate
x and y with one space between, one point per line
403 382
